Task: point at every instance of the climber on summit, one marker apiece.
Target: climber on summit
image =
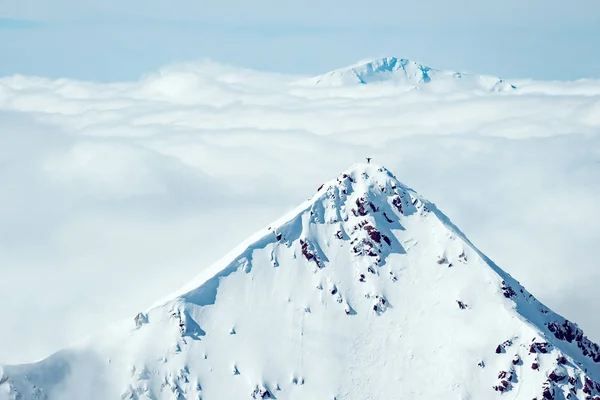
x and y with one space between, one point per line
368 160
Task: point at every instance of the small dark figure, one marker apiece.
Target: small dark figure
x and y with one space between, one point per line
368 160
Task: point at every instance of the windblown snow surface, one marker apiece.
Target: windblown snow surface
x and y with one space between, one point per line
409 73
365 291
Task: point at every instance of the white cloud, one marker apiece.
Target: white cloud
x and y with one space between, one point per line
116 194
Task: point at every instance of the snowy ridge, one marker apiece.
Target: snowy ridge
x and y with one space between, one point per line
401 71
365 291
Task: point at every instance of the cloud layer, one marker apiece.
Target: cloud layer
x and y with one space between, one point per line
116 194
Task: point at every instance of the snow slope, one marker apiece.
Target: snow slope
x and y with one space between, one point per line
405 72
365 291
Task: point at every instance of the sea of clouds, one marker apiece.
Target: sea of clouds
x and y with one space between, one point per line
115 194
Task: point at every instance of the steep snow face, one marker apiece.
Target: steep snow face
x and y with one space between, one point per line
366 291
405 72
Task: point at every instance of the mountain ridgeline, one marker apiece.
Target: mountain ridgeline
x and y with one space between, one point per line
365 291
403 72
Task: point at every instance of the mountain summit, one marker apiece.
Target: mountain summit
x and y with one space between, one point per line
365 291
401 71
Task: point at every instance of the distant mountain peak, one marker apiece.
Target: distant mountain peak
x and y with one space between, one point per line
391 64
402 71
366 290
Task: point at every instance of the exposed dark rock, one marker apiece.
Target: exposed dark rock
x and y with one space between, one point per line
555 377
310 253
262 393
387 240
373 208
588 385
504 386
502 346
346 176
567 331
360 210
508 291
539 347
397 202
587 389
387 218
374 234
561 360
570 332
548 393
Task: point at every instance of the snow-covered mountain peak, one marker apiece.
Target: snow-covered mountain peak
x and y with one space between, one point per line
336 202
399 70
413 71
365 291
404 72
365 179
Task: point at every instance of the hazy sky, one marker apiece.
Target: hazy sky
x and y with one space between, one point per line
113 40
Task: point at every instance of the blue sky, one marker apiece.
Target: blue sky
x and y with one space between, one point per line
115 41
